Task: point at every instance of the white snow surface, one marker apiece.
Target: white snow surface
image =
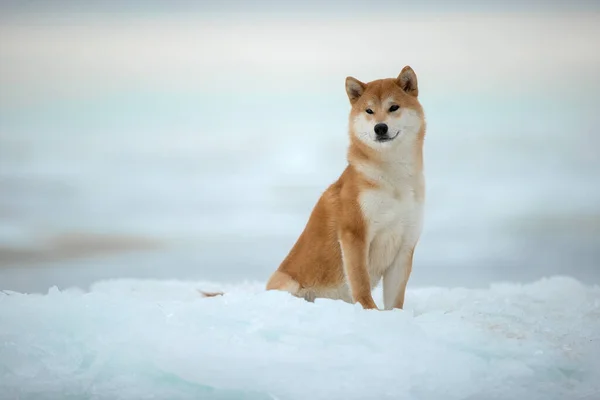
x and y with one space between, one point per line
136 339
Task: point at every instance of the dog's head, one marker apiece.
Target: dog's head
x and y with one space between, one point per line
385 112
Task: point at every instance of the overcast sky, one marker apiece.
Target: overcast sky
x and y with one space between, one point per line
83 53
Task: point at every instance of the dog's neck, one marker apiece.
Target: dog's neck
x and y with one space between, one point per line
397 164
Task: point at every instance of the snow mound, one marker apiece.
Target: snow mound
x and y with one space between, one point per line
132 339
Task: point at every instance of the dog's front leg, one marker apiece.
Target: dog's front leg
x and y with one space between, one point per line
395 279
354 259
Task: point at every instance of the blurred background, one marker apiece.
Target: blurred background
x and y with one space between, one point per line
190 140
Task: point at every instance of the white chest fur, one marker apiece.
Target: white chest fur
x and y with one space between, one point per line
393 214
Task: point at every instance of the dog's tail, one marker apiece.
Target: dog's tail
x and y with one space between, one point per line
210 294
278 281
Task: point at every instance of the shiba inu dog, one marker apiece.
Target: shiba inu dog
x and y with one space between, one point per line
366 225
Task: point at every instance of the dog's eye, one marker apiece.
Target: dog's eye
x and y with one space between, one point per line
369 111
394 108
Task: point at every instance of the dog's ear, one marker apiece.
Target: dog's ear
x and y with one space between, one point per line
407 80
354 89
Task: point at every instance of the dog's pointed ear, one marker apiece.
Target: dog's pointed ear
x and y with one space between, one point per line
407 80
354 89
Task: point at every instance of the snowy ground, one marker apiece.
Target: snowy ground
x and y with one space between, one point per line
136 339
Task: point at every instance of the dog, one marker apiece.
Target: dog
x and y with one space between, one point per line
366 225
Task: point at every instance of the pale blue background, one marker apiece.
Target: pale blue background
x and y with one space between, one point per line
220 152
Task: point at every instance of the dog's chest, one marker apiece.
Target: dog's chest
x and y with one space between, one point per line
393 217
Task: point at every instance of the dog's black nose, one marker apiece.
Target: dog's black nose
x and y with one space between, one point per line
381 129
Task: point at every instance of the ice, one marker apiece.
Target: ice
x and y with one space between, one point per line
142 339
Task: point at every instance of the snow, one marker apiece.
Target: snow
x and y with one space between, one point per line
142 339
